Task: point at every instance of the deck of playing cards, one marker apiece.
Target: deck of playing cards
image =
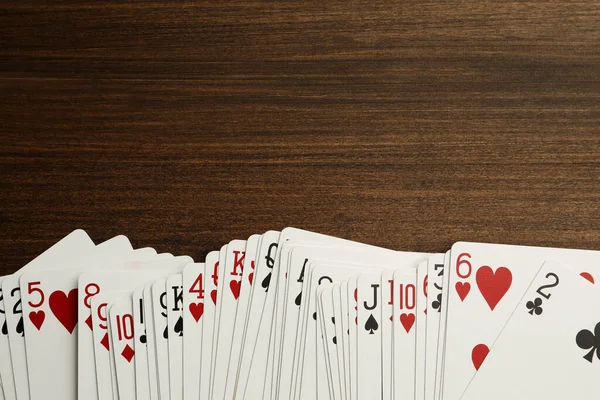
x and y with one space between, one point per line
299 315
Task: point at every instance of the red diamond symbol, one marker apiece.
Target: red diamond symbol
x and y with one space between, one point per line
88 321
128 353
104 341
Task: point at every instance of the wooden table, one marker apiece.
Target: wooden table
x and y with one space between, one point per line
405 124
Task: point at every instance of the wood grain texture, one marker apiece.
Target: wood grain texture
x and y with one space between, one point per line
403 124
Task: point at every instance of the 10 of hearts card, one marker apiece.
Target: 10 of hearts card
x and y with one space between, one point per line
300 315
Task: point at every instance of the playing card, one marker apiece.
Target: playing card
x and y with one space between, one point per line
344 317
549 348
369 336
50 304
151 342
404 335
210 289
105 376
325 382
436 320
387 333
435 274
75 246
243 305
229 288
258 294
174 287
485 283
140 341
352 296
161 336
339 316
120 314
421 332
193 320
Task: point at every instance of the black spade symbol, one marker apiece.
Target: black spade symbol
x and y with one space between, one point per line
179 326
371 325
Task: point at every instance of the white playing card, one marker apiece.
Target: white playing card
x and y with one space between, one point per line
161 334
549 348
229 288
486 282
102 342
436 380
421 331
75 246
343 331
193 320
142 372
210 291
50 306
175 337
243 305
340 336
325 383
404 336
387 333
120 314
369 335
331 340
258 294
219 282
151 343
435 273
352 296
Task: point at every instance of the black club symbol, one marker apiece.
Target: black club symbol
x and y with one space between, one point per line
437 304
535 306
586 340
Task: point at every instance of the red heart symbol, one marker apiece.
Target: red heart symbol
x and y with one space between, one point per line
407 320
37 318
213 296
479 354
493 286
462 289
235 288
196 309
587 276
64 308
250 278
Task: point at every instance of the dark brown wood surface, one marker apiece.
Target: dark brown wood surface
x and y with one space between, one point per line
405 124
